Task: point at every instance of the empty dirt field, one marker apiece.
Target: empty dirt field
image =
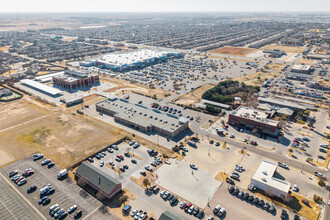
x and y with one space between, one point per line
61 136
257 79
239 51
193 96
287 49
19 111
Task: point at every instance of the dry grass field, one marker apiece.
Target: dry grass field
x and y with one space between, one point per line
193 96
238 51
63 137
257 78
287 49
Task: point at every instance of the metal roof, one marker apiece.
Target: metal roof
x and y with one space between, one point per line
221 105
168 216
42 87
97 177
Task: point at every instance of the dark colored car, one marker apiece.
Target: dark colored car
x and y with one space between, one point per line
77 215
266 206
256 201
13 173
230 181
246 196
170 197
251 198
236 191
42 200
284 214
31 189
196 211
261 203
271 209
201 215
46 202
50 165
231 189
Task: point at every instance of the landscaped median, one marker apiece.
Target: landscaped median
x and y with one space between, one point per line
311 210
221 176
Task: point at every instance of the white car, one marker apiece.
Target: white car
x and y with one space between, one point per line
191 209
216 209
183 205
134 212
232 136
221 211
295 187
324 145
101 163
167 162
131 142
193 166
147 167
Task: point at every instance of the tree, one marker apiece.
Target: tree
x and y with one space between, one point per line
123 199
146 182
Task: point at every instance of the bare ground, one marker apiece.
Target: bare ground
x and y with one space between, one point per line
234 51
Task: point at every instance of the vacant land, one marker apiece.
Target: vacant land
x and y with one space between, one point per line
257 79
287 49
63 137
20 111
194 96
234 51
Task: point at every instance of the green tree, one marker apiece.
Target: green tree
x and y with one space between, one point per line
123 199
146 182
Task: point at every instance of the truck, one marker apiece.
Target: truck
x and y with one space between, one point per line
63 173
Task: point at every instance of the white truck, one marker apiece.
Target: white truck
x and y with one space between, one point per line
62 174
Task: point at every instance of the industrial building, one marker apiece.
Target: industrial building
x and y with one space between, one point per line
130 60
142 118
41 87
251 119
295 106
74 80
301 68
274 53
264 179
97 179
74 101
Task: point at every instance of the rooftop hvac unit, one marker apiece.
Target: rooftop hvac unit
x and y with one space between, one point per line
264 179
265 173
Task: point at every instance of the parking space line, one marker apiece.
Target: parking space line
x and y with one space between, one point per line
27 201
8 209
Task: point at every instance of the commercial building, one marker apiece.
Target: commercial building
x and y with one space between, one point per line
264 179
74 80
279 111
105 184
130 60
216 104
300 68
168 216
252 119
74 101
299 76
295 106
142 118
41 87
5 92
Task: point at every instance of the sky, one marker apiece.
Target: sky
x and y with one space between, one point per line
163 5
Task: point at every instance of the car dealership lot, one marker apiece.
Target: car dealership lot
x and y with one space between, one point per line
66 194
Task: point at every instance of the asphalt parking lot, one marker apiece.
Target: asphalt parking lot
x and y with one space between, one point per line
12 206
67 192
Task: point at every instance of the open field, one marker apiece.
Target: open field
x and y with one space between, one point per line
193 96
257 79
19 112
287 49
64 138
233 51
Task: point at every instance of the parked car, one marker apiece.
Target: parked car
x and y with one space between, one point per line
22 182
321 157
230 181
283 165
102 163
72 209
31 189
295 188
322 150
221 211
45 162
42 199
319 174
127 208
28 172
51 164
284 214
78 214
183 205
114 147
13 173
134 212
37 156
134 161
193 166
231 189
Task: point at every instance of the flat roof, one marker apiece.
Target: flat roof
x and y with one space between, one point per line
281 102
253 114
142 115
301 67
221 105
265 174
132 57
40 86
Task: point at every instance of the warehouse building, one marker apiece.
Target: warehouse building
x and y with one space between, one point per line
41 87
295 106
130 60
142 118
5 92
97 179
264 179
300 68
168 216
274 53
251 119
74 80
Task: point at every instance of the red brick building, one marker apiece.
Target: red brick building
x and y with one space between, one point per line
74 80
253 119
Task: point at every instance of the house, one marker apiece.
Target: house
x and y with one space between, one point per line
97 179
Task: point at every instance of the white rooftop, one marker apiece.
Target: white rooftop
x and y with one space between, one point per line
265 174
131 57
40 86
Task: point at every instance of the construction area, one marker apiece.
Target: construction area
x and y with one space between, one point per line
238 51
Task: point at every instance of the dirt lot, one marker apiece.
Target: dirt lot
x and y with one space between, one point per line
19 112
193 96
287 49
63 137
233 51
257 78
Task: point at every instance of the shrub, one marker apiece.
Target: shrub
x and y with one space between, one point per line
321 183
290 150
317 199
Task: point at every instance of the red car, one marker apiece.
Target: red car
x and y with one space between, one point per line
28 173
19 179
120 156
187 206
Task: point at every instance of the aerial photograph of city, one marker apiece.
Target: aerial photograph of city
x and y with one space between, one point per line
165 110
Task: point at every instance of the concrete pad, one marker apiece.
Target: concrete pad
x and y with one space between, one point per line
196 186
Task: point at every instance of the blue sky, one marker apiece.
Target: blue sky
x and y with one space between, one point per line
162 5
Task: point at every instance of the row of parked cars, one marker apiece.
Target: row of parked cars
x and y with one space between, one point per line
20 179
57 212
253 200
136 214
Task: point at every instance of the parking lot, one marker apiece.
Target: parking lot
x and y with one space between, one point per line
66 194
12 206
